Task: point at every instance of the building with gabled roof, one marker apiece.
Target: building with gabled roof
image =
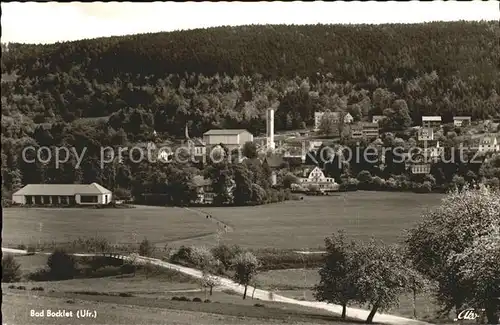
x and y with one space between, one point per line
431 121
62 194
230 138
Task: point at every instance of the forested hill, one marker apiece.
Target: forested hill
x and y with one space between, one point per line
227 76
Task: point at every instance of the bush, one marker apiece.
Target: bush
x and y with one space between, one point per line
207 301
196 299
259 305
31 250
184 299
175 298
125 294
182 256
11 269
12 286
226 254
127 268
37 289
146 248
61 265
106 271
21 288
21 247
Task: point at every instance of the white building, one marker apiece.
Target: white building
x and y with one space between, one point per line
317 178
462 120
318 116
230 138
63 194
431 121
489 144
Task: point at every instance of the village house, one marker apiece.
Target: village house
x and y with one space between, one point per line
275 163
204 191
431 121
230 138
461 121
378 118
489 144
62 194
316 179
318 116
365 130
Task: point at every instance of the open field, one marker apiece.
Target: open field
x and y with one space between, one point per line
305 224
135 310
119 226
288 225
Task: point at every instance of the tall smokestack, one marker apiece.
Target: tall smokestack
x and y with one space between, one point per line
270 128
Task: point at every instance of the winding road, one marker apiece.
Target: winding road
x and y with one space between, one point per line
264 295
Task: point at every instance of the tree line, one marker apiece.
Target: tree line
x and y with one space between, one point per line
79 93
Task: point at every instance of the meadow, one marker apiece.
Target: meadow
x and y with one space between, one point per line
289 225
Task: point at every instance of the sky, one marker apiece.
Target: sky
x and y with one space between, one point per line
51 22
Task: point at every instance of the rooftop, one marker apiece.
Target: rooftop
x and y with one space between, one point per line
225 131
431 118
461 117
63 189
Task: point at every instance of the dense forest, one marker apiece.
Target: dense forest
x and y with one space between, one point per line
115 91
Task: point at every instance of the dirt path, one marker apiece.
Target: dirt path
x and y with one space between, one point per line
264 295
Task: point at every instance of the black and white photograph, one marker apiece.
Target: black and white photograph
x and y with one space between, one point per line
250 163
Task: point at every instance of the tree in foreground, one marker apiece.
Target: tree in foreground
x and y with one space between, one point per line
339 273
208 264
62 266
383 277
245 268
11 269
457 245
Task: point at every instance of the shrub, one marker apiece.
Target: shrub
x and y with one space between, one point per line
127 268
21 246
146 248
12 286
182 256
61 265
31 250
37 289
106 271
125 294
196 299
184 299
175 298
207 301
21 288
226 254
11 271
259 305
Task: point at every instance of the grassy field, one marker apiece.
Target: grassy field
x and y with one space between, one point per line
288 225
119 226
305 224
298 284
147 297
136 310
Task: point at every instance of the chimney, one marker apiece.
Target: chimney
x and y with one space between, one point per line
270 128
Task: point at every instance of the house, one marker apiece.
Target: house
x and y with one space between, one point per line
370 130
420 168
204 191
317 179
489 144
378 118
426 134
462 121
431 121
63 194
318 116
357 132
275 162
196 147
230 138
